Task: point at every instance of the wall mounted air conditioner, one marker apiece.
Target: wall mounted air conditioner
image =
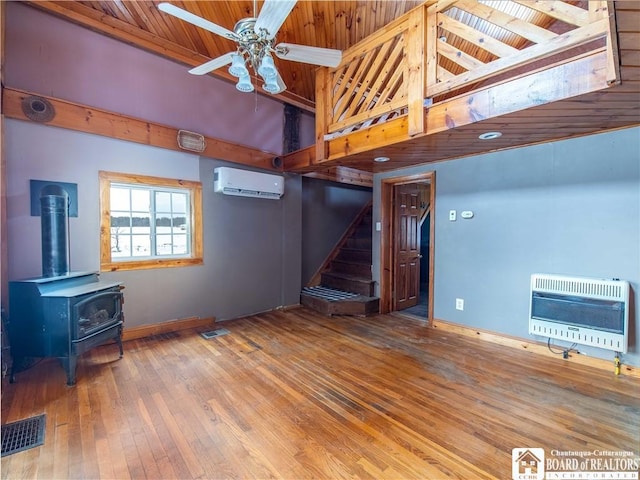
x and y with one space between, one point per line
244 183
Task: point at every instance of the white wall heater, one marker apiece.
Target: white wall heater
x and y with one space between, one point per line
580 310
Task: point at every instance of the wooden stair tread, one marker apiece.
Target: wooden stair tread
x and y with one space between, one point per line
338 302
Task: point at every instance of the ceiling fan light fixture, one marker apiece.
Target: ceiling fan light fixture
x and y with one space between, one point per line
255 39
267 68
244 83
274 85
238 68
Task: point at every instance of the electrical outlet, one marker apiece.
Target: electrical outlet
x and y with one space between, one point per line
452 215
459 304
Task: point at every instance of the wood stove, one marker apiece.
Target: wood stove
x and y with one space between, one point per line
63 317
61 314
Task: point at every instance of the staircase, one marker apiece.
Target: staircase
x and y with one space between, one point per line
345 286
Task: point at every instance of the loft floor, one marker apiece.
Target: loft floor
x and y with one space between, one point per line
295 394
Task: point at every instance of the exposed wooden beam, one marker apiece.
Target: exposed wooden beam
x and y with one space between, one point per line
344 175
300 161
87 119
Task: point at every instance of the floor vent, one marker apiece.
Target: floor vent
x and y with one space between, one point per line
214 333
23 435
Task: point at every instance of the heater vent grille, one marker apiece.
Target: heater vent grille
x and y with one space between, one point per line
610 289
580 310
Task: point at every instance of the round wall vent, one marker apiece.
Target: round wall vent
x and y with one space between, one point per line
38 109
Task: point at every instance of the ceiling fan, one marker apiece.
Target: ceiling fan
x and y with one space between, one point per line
256 38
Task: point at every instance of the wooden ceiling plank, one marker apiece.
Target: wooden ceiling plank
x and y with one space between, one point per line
203 41
151 24
125 13
208 43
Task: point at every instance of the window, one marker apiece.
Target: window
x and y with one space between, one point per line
149 222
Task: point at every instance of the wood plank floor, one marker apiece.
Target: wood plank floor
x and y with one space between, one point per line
296 395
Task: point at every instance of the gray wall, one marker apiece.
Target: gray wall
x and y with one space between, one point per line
252 246
328 208
570 207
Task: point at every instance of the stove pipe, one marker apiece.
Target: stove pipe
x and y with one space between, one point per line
54 218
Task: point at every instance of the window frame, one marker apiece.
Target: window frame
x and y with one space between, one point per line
107 264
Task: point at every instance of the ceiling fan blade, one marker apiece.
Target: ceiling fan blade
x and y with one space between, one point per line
326 57
273 15
196 20
212 64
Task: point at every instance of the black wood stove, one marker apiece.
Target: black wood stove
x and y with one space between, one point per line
61 314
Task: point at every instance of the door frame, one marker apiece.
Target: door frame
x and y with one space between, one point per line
388 237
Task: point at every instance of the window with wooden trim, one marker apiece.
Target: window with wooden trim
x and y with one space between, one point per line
149 222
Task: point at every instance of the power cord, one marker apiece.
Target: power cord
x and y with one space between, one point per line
565 352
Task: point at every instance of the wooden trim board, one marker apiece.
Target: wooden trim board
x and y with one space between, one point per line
87 119
534 347
166 327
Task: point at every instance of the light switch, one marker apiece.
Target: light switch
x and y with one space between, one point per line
378 226
452 215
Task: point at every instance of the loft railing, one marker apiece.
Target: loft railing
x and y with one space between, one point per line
445 48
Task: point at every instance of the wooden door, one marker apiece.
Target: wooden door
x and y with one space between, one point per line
408 206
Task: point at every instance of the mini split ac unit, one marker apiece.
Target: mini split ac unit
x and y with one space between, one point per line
244 183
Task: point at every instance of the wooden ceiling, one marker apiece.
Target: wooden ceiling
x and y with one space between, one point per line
329 24
340 25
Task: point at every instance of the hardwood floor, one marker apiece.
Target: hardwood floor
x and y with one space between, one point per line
296 395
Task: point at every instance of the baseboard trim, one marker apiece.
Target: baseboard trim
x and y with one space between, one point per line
534 347
166 327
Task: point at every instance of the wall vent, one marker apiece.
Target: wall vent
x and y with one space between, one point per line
587 311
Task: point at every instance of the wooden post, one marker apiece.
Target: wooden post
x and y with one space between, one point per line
605 9
431 49
323 108
415 41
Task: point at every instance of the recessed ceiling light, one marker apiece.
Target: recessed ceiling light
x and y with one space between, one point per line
381 159
490 135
